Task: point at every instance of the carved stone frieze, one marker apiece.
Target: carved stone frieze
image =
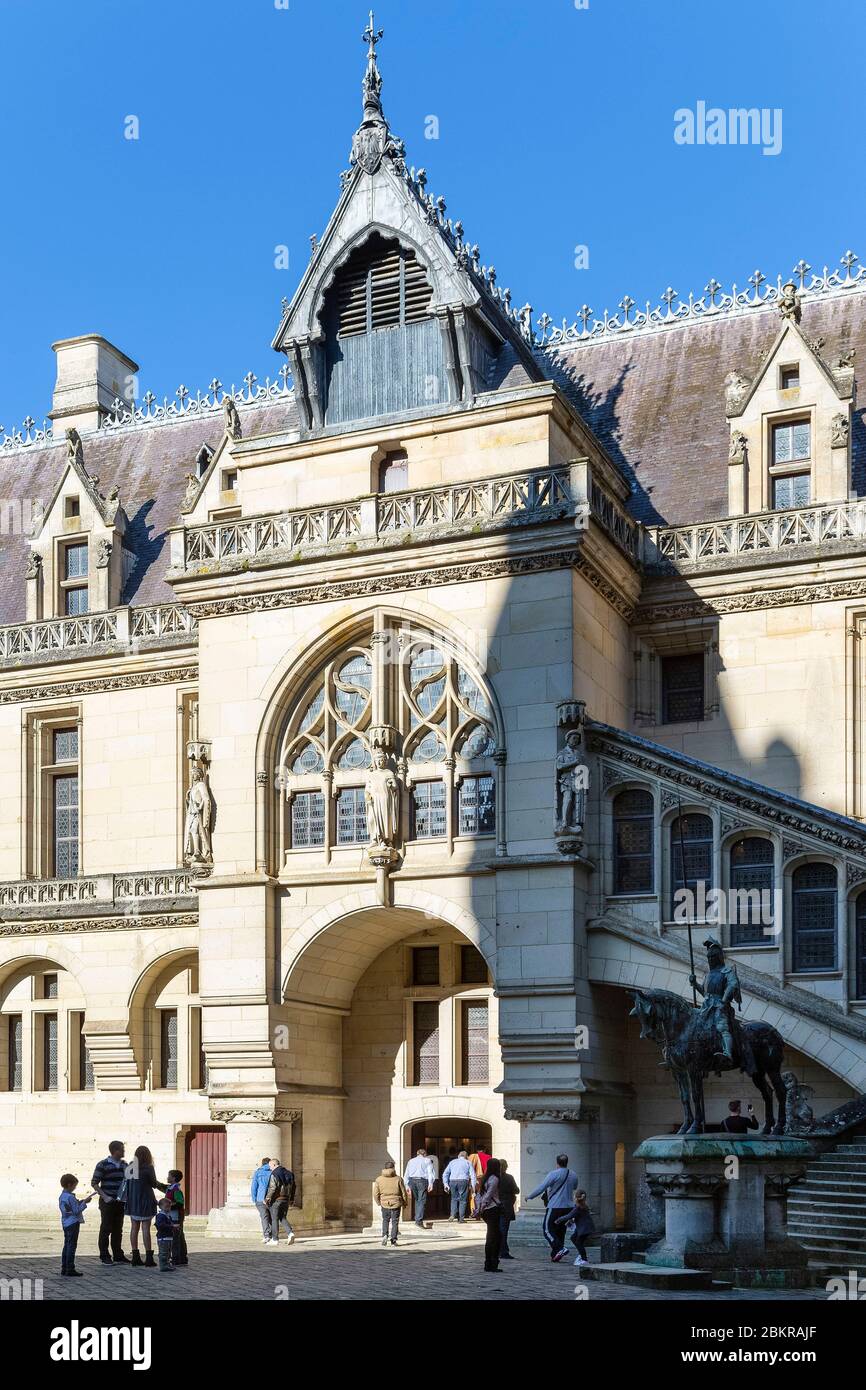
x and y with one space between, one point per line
65 689
693 782
794 597
130 921
254 1114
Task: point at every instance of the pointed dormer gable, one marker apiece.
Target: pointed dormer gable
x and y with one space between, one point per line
790 422
395 312
76 562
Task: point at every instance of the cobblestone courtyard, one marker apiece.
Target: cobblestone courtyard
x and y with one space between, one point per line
353 1268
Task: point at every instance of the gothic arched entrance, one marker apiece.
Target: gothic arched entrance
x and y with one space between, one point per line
443 1137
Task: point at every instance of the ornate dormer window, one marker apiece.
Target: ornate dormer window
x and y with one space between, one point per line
78 561
790 422
405 691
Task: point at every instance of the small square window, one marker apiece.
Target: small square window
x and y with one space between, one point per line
425 965
791 490
49 986
75 561
230 479
65 745
792 441
683 688
790 377
71 507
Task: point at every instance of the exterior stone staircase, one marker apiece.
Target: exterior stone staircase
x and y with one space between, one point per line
827 1209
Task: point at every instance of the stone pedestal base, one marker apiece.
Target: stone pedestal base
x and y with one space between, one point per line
725 1201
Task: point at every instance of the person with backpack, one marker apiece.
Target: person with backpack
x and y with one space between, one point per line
556 1190
279 1196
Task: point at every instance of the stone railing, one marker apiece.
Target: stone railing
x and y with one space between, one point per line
162 620
513 499
758 534
122 892
67 638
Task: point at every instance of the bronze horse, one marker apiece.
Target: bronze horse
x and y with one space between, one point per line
691 1046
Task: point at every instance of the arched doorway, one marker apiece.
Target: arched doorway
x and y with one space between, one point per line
393 1021
443 1138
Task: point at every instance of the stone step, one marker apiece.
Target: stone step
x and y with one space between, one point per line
843 1172
841 1185
650 1276
818 1220
840 1259
833 1238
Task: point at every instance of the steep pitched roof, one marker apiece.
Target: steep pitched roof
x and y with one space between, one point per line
149 464
656 401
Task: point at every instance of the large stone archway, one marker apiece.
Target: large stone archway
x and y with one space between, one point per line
352 1006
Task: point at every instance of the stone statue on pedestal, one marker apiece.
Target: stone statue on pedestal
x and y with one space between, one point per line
199 817
382 803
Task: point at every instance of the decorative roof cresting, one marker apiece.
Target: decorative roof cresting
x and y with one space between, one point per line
786 294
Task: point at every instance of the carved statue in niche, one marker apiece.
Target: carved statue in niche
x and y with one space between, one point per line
231 418
103 553
199 819
382 803
571 786
737 450
839 432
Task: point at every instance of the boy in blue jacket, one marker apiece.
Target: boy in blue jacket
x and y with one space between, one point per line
258 1188
71 1217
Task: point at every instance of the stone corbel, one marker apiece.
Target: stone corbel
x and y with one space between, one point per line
112 1056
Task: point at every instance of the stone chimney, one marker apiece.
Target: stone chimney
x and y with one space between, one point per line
91 375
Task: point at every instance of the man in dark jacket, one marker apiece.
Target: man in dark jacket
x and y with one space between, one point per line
279 1196
106 1180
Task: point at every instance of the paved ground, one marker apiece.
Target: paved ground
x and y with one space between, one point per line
337 1268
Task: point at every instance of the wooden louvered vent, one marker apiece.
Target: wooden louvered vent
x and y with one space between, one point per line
383 286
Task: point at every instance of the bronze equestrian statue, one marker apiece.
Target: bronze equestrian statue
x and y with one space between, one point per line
711 1038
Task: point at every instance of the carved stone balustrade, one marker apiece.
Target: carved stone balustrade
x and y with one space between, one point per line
127 894
831 527
486 505
96 634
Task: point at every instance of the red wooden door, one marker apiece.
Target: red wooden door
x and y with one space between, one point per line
205 1171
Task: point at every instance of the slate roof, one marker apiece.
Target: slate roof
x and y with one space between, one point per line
149 464
656 400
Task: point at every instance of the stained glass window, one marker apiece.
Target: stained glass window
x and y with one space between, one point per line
633 829
428 807
308 819
813 899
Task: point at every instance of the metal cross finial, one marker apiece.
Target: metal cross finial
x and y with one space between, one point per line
371 37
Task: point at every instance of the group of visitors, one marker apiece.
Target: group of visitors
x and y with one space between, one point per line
476 1177
272 1191
126 1189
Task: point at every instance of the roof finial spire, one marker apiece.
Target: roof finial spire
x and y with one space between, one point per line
373 139
372 84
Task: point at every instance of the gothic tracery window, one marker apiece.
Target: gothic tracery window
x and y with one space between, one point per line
406 685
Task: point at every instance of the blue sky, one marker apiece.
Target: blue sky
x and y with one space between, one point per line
555 131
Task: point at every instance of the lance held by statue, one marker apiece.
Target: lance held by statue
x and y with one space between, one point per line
697 1041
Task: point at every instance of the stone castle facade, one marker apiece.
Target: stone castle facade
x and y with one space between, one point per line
351 726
